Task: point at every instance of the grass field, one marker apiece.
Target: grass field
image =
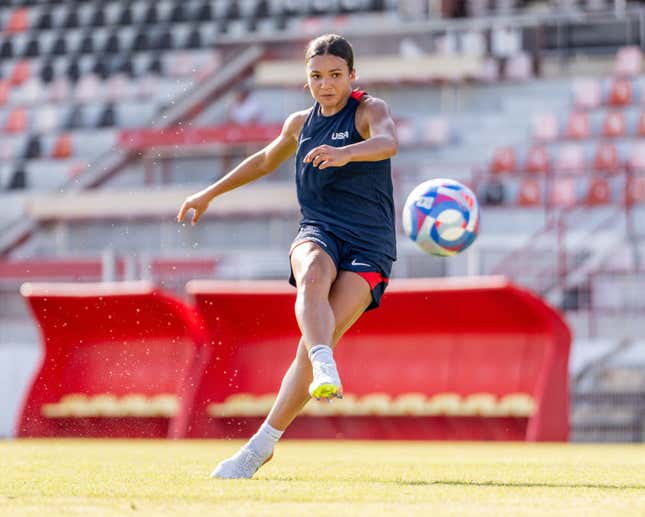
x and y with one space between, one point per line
98 477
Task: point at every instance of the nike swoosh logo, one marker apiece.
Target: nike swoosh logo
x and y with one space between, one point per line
354 263
305 139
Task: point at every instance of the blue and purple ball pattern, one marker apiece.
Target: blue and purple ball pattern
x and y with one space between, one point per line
441 216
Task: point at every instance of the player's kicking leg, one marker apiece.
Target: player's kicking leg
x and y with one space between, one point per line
314 272
349 297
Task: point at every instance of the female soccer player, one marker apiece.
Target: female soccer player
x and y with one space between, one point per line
342 255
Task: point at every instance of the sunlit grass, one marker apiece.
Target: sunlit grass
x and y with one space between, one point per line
101 477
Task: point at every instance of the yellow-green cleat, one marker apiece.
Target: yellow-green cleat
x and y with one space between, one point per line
326 384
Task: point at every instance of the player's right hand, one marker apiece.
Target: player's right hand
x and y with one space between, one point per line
198 202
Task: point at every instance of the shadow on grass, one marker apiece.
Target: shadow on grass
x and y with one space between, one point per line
520 485
495 484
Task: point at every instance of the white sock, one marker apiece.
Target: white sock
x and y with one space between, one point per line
265 439
321 353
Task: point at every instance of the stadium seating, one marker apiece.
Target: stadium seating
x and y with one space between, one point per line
67 69
537 160
473 370
598 193
598 139
117 358
530 193
77 79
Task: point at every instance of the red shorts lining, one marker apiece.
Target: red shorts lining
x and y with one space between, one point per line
373 278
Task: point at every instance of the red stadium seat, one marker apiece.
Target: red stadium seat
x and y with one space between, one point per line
487 339
620 92
598 193
20 73
537 160
18 21
16 121
606 158
563 192
614 125
530 193
62 147
587 94
504 160
577 126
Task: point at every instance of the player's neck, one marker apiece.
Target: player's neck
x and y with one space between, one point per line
328 111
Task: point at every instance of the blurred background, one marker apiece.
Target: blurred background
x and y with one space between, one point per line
111 112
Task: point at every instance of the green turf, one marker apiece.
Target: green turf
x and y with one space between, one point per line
71 477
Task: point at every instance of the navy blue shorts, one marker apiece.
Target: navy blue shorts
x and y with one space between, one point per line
374 268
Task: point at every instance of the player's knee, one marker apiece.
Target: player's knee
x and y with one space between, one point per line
315 277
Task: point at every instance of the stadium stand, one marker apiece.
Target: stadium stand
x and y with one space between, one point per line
89 91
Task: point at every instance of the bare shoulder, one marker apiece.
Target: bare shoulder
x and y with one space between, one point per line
370 111
373 105
294 122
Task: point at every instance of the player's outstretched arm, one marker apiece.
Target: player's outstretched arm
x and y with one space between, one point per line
375 124
255 166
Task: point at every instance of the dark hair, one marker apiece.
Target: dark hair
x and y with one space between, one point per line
330 44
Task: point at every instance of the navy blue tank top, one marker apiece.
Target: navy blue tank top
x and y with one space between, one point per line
355 201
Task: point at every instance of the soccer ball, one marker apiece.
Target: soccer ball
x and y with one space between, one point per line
441 216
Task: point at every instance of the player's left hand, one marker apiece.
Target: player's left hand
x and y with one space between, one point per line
325 156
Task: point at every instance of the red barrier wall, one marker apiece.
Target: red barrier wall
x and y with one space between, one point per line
463 336
126 350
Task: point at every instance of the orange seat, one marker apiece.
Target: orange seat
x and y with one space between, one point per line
504 160
62 146
598 192
614 125
537 159
18 21
20 73
606 158
620 92
578 126
16 121
530 193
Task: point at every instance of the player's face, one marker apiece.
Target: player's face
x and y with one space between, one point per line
329 80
